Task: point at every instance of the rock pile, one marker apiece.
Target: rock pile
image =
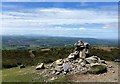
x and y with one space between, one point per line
78 61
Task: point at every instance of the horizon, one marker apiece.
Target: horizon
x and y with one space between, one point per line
57 37
62 19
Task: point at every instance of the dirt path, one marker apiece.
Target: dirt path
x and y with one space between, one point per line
110 76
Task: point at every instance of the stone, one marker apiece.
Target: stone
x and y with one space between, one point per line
110 66
41 66
51 65
113 71
76 63
86 44
53 78
92 59
71 56
66 67
59 62
22 66
83 63
76 53
54 72
66 60
92 64
65 73
57 73
83 70
58 68
102 61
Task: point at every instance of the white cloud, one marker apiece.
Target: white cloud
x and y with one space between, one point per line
59 16
42 19
82 28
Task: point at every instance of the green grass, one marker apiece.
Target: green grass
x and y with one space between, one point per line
18 75
97 69
0 76
64 78
28 74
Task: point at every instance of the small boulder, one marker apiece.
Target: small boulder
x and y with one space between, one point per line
59 62
113 71
57 73
41 66
102 61
76 53
58 68
53 72
92 59
71 56
66 67
22 66
110 66
83 63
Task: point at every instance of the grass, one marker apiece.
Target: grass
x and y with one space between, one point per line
28 74
18 75
97 69
0 76
64 78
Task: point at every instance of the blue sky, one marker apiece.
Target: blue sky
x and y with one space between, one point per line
69 19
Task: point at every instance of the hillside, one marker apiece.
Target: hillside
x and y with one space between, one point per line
13 58
36 42
29 74
16 52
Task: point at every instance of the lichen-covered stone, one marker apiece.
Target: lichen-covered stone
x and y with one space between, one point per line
97 69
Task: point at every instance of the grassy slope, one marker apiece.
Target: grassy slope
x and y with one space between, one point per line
29 74
18 75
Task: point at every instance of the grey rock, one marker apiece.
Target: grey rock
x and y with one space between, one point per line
57 73
22 66
71 56
113 71
59 62
66 67
76 62
102 61
83 63
41 66
110 66
58 68
54 72
75 53
92 59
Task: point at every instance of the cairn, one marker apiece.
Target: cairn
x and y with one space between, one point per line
77 62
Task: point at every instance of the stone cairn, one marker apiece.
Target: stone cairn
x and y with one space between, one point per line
78 61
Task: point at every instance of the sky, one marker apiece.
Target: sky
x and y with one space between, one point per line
68 19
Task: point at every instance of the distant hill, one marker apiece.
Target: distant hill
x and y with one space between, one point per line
33 42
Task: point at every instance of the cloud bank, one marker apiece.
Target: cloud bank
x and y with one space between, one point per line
60 22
